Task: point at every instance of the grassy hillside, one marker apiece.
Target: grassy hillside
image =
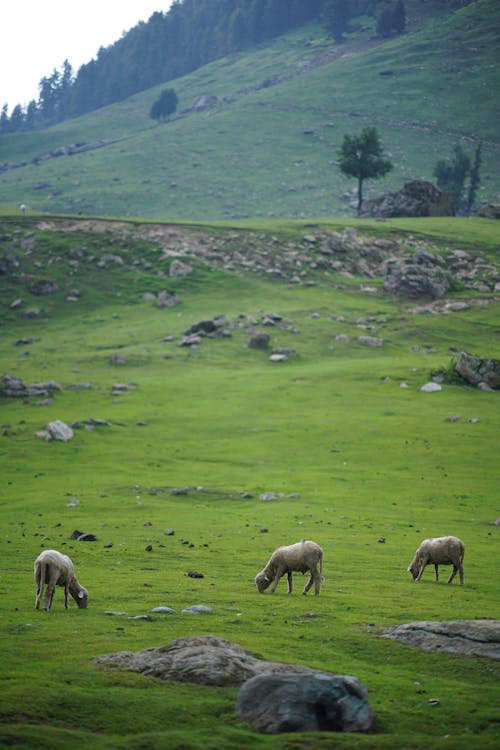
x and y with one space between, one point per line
352 455
271 150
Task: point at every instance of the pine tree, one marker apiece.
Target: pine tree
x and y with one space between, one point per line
163 107
361 156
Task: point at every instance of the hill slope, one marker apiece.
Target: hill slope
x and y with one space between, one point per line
268 146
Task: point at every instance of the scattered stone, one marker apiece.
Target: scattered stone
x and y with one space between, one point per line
274 703
163 610
269 496
56 430
73 502
466 637
169 532
198 609
43 287
179 268
117 614
146 618
86 538
370 341
418 275
431 387
259 340
194 574
166 300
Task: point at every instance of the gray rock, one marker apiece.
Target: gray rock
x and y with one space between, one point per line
179 268
274 703
163 610
431 388
167 299
259 340
475 370
416 198
204 659
467 637
416 276
197 609
57 430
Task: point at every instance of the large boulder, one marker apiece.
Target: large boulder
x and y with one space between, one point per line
205 660
275 703
415 276
479 372
416 198
466 637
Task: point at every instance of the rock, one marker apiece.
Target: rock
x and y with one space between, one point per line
14 387
198 609
475 370
416 198
194 574
179 268
274 703
43 287
416 276
167 299
466 637
430 388
204 659
489 211
57 430
163 610
259 340
370 341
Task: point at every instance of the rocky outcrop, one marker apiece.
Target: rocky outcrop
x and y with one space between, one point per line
489 211
467 637
205 660
13 386
418 275
483 373
416 198
274 703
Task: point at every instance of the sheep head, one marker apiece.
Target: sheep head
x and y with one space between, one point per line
262 581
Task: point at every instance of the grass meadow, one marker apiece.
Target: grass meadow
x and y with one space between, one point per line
353 456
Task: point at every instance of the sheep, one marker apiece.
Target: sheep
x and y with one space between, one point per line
53 568
302 557
444 550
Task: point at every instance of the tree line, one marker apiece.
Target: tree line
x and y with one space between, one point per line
170 44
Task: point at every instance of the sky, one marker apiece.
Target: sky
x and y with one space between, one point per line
39 35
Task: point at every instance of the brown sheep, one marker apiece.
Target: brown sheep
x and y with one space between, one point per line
444 550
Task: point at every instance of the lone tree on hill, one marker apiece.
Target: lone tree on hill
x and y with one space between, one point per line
164 106
361 156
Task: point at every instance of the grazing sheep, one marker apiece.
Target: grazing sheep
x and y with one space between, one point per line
302 557
53 568
444 550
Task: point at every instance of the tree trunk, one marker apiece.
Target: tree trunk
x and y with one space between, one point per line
360 194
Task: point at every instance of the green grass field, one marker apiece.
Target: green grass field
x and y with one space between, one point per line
366 457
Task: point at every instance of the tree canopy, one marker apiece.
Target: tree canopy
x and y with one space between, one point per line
361 156
165 106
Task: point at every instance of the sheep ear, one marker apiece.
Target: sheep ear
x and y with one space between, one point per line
266 578
81 594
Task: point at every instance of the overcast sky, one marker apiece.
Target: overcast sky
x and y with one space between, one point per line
38 35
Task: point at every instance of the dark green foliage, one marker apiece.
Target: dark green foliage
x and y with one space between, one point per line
451 177
474 179
361 156
165 106
391 18
336 15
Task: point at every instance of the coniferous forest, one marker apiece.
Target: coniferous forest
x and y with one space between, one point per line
190 34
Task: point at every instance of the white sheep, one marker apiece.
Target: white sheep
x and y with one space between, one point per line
55 569
302 557
444 550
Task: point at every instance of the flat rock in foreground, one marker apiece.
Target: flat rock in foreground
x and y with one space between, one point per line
205 660
467 637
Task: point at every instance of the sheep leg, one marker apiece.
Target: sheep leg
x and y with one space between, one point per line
314 578
39 593
275 582
51 587
461 573
417 579
453 573
290 581
66 590
436 573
